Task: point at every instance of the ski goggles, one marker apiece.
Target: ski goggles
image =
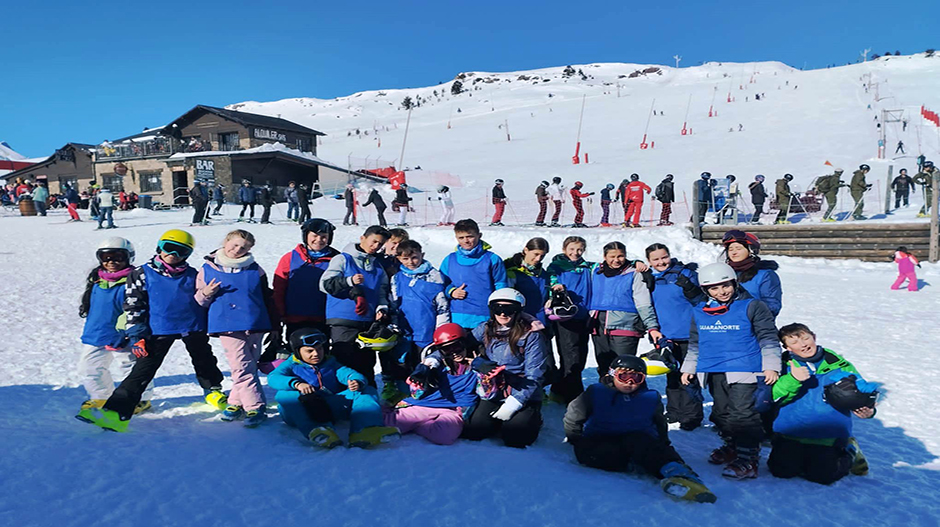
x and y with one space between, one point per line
628 376
312 339
506 310
112 256
174 248
455 349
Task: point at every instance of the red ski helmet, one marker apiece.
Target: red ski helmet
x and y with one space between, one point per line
448 334
746 239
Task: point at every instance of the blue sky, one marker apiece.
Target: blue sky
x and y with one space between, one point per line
86 73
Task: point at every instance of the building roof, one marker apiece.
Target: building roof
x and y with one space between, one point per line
44 161
243 118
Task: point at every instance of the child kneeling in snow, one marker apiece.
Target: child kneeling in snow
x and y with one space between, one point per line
618 423
817 398
443 389
315 390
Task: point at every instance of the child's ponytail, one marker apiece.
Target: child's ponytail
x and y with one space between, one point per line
86 296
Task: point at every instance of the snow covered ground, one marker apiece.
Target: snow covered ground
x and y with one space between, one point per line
180 465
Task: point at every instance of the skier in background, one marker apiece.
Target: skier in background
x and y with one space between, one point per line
349 195
634 196
704 196
443 194
541 195
556 191
290 196
902 186
402 204
906 263
666 194
576 197
605 204
923 179
303 203
499 202
376 199
248 198
218 194
829 186
783 198
266 199
858 187
200 200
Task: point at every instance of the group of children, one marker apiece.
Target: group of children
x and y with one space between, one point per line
466 350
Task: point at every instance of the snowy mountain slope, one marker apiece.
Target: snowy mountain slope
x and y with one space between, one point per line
180 465
8 154
804 119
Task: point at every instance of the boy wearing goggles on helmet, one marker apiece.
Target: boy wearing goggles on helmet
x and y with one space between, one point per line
161 308
618 423
443 389
314 391
733 347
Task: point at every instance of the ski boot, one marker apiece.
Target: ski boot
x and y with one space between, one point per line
93 403
579 226
374 436
142 407
606 225
231 413
723 455
782 222
107 419
921 215
860 463
540 224
680 482
324 437
216 398
744 466
253 418
859 218
555 224
635 225
390 395
829 220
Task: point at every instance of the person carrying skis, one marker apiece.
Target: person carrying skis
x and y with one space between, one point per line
556 192
499 202
783 198
576 197
103 337
161 308
376 200
605 204
902 188
923 179
859 187
666 194
402 204
733 348
541 196
829 186
248 197
447 202
617 424
814 429
634 198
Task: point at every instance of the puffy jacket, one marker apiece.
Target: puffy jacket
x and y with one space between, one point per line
401 196
246 194
452 389
290 195
483 272
783 189
418 296
264 197
635 189
665 192
704 190
673 310
541 193
297 294
499 194
336 282
525 372
602 410
763 283
376 199
40 194
758 194
105 199
576 277
556 192
902 184
71 195
329 376
858 184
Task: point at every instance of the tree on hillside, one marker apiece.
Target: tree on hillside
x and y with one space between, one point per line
456 88
407 103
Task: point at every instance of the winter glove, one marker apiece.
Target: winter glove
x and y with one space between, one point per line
419 379
689 289
868 186
483 366
508 409
362 306
139 349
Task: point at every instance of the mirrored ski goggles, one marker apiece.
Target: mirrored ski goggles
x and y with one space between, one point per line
506 310
313 339
112 256
628 376
177 249
454 348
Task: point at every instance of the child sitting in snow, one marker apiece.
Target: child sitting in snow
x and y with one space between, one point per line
906 262
443 389
817 397
618 423
314 390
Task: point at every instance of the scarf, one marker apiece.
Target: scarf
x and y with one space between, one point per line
115 276
475 252
814 359
316 255
232 263
424 268
744 264
609 272
159 264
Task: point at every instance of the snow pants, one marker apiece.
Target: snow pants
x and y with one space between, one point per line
557 213
831 199
578 211
348 353
759 209
40 207
733 412
902 195
543 209
265 213
683 403
608 347
293 210
218 206
665 214
633 209
571 338
106 214
859 207
128 394
605 212
620 453
306 412
250 207
243 351
498 214
402 214
447 217
304 212
911 278
441 426
817 463
381 216
74 213
199 211
94 366
519 432
350 217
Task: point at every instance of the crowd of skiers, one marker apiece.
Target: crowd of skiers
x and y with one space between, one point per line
465 349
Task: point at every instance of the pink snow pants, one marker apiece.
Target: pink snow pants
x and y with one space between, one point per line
912 281
441 426
242 351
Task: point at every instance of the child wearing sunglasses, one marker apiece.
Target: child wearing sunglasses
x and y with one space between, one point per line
512 367
234 288
314 391
103 339
443 390
733 347
618 424
160 306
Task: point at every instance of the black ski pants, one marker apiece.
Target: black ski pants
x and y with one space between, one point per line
571 337
247 206
127 395
266 213
348 353
519 432
218 206
733 411
620 453
758 210
199 211
683 403
817 463
609 347
899 195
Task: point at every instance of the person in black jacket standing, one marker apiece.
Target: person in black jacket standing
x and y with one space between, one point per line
902 186
401 204
266 200
376 199
303 201
499 202
200 199
758 197
666 194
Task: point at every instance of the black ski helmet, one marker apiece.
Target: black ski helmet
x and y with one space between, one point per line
845 396
610 186
319 226
543 184
863 166
731 177
629 362
499 181
759 177
556 180
928 164
634 177
306 337
706 175
669 177
788 177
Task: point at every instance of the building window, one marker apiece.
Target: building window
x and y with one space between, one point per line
71 181
151 181
228 141
113 182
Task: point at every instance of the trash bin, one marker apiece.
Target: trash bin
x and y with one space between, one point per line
27 207
145 201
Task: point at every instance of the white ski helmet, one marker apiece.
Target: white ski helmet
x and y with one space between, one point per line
506 294
116 243
716 273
